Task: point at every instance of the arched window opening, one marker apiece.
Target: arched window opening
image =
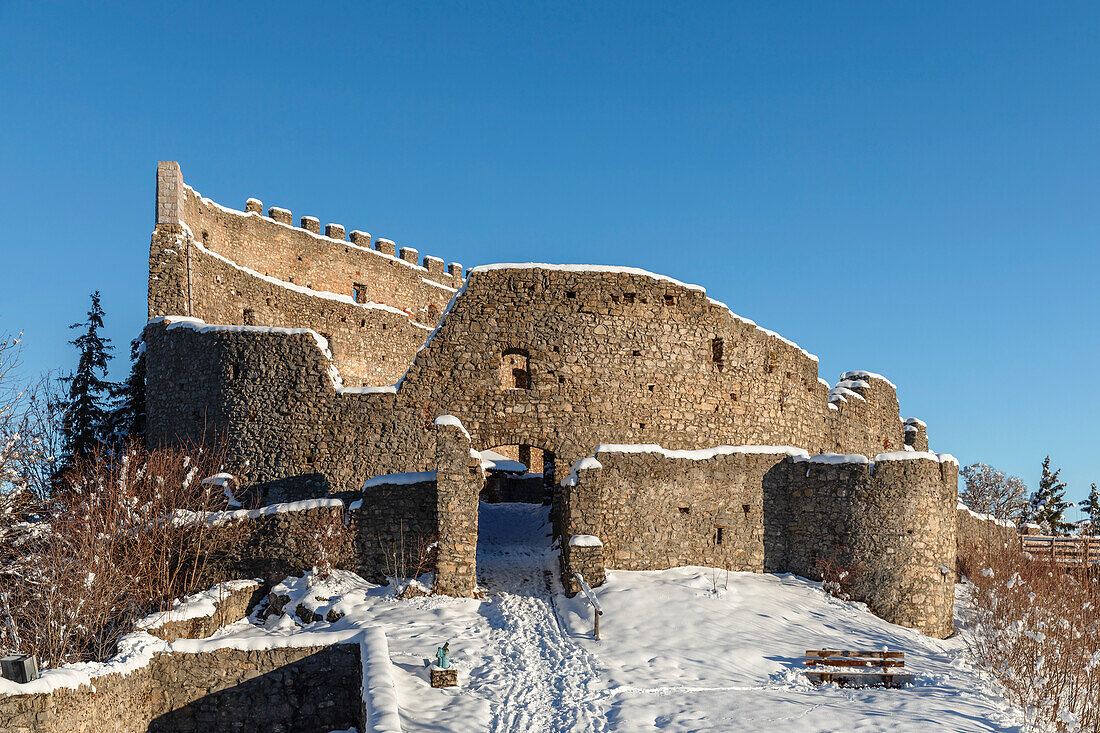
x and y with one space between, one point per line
514 370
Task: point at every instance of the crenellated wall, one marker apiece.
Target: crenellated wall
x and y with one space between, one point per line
244 268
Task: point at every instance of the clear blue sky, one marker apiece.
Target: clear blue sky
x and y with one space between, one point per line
910 189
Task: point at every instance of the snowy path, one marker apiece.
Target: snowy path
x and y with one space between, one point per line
540 679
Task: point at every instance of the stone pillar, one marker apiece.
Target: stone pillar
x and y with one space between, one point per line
169 193
336 231
359 238
312 224
254 206
409 254
458 484
582 554
385 246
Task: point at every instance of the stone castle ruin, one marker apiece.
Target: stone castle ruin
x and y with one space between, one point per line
667 430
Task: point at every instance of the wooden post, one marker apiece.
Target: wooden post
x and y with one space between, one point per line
596 630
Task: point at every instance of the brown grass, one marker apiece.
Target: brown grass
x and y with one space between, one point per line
1036 630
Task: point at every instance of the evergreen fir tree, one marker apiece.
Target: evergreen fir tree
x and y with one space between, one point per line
86 418
1048 503
1091 508
128 417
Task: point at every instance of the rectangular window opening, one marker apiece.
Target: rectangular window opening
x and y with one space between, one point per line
717 535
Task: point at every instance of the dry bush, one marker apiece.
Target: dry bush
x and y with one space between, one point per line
837 576
326 542
408 558
1036 630
120 537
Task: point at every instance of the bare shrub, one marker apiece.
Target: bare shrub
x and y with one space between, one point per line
408 558
120 537
837 576
326 542
1036 630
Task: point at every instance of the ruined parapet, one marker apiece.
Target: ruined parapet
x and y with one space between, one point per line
916 434
169 193
458 485
864 415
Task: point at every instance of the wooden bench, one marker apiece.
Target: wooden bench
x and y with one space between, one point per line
857 668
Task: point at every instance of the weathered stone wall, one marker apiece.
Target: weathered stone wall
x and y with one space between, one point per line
235 604
297 690
394 526
655 510
603 368
889 524
458 488
242 268
304 689
981 534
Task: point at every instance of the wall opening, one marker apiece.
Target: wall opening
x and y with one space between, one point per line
359 292
717 353
514 370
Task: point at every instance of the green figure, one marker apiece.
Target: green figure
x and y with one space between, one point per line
443 655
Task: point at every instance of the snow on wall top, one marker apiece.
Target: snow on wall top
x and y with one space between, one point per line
702 454
585 540
916 455
833 459
986 517
399 479
583 464
452 421
915 421
616 269
860 374
204 603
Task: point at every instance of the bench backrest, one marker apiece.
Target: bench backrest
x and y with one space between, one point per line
857 659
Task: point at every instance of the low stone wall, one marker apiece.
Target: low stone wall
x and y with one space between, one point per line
230 604
301 689
889 524
296 690
981 533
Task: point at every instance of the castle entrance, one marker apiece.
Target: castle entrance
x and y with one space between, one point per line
518 473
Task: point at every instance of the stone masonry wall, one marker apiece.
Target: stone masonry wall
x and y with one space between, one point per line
613 357
654 511
458 488
241 268
981 533
302 689
890 524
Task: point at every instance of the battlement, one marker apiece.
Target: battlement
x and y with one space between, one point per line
172 194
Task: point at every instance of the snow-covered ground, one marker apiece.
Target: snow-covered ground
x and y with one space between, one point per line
682 650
